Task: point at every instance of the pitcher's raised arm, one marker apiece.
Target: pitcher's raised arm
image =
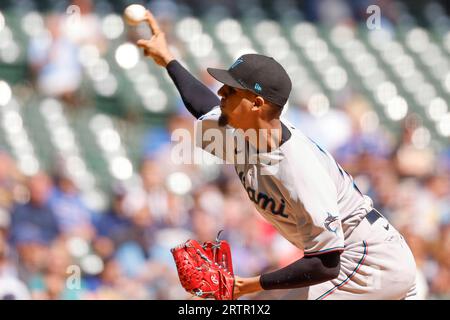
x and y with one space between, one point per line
197 97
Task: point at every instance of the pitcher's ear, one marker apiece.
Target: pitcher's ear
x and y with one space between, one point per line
259 102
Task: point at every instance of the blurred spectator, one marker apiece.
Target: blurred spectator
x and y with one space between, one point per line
115 224
33 228
11 288
82 25
154 202
54 61
322 129
35 221
411 159
74 218
440 282
10 181
111 280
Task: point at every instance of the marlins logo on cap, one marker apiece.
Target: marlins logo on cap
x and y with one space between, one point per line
259 74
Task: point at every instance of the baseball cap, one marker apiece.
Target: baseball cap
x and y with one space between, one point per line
259 74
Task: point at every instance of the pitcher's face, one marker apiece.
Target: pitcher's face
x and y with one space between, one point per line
236 106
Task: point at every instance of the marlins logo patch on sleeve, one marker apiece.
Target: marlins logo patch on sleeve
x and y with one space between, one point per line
331 223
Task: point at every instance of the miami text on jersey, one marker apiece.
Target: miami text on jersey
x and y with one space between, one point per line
263 200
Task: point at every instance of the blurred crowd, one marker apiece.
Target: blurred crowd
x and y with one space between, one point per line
53 245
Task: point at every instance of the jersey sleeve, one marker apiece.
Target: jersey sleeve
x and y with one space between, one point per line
213 138
317 215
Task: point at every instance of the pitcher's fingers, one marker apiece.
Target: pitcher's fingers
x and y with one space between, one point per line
147 53
154 26
142 43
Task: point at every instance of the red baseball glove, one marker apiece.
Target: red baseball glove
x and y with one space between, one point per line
205 270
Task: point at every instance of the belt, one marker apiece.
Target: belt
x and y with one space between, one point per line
373 216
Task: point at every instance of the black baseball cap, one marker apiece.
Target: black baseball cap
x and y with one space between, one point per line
258 73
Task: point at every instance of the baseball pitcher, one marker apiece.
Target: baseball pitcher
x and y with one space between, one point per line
350 250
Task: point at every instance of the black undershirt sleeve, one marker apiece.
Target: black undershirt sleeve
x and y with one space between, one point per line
197 97
305 272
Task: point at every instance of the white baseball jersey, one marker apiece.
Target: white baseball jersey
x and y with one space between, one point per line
299 188
314 204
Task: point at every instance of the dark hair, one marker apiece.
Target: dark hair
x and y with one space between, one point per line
276 109
275 105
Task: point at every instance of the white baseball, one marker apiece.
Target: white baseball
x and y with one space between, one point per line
134 14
